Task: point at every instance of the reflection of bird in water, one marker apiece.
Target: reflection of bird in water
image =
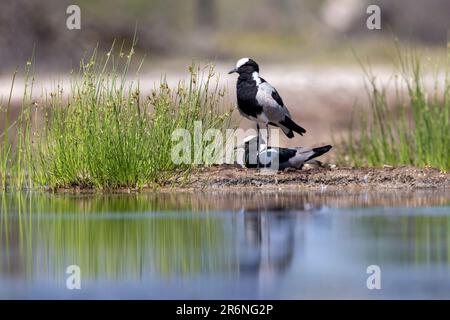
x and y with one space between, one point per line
269 239
266 241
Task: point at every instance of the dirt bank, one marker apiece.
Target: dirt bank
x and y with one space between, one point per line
230 177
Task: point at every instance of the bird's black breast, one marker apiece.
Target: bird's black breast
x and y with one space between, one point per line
246 90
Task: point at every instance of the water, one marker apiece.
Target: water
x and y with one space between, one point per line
258 245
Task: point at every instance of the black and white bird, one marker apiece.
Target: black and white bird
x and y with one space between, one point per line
258 101
277 158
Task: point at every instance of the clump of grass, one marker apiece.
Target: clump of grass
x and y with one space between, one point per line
5 147
104 133
415 130
13 158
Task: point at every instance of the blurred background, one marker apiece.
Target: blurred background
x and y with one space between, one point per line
294 31
304 47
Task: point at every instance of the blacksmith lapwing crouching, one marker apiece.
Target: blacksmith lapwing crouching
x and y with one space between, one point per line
278 158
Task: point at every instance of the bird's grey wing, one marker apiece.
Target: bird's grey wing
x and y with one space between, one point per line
301 156
305 154
271 102
277 97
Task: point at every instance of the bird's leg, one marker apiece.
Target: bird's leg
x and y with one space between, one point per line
257 145
267 136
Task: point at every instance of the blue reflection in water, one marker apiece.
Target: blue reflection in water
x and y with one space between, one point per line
276 245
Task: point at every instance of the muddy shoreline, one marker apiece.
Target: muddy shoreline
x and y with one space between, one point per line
231 177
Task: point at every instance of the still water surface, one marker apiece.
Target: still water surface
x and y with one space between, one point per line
258 245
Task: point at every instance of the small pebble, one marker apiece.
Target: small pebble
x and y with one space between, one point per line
329 166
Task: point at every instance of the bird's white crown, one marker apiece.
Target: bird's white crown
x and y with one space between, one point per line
241 62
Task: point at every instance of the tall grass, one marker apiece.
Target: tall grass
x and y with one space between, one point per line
414 130
104 133
5 147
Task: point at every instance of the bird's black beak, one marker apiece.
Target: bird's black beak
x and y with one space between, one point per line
232 71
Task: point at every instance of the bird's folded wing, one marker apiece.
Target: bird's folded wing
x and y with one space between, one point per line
271 102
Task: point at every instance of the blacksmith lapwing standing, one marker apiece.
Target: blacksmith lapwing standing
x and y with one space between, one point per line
278 158
258 101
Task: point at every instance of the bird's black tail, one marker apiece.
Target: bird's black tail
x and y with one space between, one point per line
288 123
319 151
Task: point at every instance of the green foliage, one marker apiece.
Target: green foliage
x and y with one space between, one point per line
104 134
416 132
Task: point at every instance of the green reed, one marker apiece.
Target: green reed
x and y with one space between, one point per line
414 130
103 133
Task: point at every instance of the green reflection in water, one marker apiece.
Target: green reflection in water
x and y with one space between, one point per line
117 236
109 237
416 239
